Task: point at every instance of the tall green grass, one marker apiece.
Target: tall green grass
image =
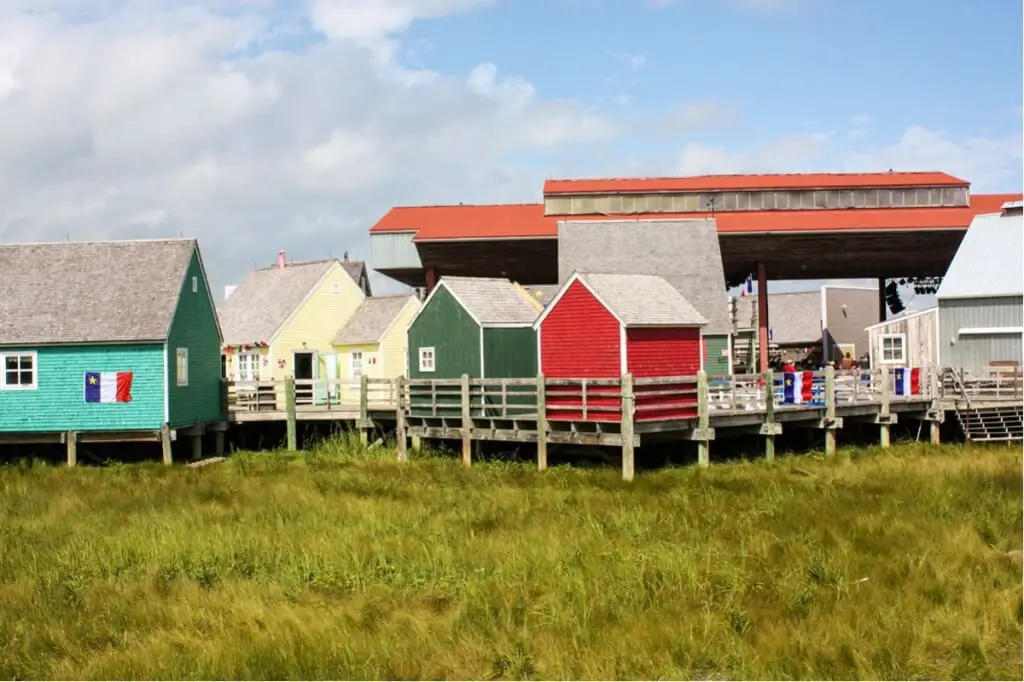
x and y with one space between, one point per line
341 563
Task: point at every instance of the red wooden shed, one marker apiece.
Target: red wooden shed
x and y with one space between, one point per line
602 325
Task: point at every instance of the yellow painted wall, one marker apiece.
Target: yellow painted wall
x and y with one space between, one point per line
395 344
317 321
266 371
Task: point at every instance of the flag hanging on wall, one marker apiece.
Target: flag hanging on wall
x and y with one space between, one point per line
907 380
108 387
798 388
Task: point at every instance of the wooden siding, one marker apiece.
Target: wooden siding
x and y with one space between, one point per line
194 327
510 353
716 355
348 386
317 321
394 347
447 328
919 331
664 353
394 250
58 402
977 351
580 339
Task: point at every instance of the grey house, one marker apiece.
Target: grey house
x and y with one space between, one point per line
684 252
981 296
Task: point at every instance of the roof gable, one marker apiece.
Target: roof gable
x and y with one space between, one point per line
356 269
989 261
265 299
491 301
372 319
91 292
640 300
793 317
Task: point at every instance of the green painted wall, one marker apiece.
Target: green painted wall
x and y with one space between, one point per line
446 327
194 327
715 363
511 354
58 401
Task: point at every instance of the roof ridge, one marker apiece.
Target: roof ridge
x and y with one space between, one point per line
153 240
463 205
301 263
750 175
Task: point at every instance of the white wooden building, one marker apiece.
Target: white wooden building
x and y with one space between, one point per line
908 340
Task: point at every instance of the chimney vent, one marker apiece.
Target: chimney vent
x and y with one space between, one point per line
281 259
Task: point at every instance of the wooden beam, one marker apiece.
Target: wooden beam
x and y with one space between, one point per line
289 409
542 424
830 410
703 421
165 445
31 438
769 414
467 423
400 437
72 443
628 413
883 413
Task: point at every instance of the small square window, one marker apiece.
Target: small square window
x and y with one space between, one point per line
893 348
195 285
427 359
336 288
181 367
19 371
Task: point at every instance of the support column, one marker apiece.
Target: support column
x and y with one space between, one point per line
703 433
432 278
218 442
197 446
72 443
627 412
762 318
882 307
934 432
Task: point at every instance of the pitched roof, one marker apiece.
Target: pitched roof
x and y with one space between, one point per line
990 260
684 252
527 221
642 299
793 317
768 181
266 297
372 318
91 292
356 269
543 293
491 300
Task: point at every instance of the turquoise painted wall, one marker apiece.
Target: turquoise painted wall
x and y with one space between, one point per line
194 327
58 402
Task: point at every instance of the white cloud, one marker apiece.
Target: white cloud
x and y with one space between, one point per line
154 118
784 154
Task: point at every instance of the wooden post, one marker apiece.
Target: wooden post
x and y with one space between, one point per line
542 424
830 409
289 410
703 420
224 401
364 409
627 409
769 415
467 423
197 446
883 416
416 443
72 443
934 432
218 442
165 444
400 440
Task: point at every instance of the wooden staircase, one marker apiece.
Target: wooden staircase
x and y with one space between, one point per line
987 410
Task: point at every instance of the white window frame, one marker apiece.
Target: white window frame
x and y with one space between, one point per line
195 285
181 363
4 386
352 357
248 366
902 339
428 359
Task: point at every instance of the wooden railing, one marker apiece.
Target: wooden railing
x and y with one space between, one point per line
309 394
984 385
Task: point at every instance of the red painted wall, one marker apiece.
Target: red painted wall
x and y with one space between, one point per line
672 352
579 339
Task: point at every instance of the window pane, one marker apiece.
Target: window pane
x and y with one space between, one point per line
26 377
26 362
11 362
11 378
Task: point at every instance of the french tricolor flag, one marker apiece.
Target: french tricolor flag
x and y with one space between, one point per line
907 380
798 388
108 387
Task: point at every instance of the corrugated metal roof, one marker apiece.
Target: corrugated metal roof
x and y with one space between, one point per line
492 300
643 299
91 292
990 260
372 318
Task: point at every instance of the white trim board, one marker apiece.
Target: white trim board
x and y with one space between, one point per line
972 331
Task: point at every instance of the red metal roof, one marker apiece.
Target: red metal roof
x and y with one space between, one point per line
527 221
782 181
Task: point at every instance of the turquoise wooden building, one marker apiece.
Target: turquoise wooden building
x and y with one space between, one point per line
114 338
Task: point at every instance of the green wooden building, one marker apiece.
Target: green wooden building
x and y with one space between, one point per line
118 338
482 327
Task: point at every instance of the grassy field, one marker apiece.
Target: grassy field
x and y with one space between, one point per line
903 565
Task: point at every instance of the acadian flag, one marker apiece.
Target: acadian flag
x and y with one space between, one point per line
798 388
748 286
108 387
907 380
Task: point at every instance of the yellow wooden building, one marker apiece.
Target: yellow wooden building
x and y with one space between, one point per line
374 341
281 320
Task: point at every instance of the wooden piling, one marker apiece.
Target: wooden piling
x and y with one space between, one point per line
830 410
72 442
934 432
218 442
364 409
467 423
165 444
769 415
628 408
883 414
197 446
542 424
400 440
289 410
703 421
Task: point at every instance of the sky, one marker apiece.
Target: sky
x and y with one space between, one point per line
267 125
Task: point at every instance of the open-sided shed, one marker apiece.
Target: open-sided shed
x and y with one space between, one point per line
602 326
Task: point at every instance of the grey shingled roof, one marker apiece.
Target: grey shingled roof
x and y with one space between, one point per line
685 252
355 270
371 319
794 318
989 261
642 299
492 300
543 293
90 292
265 298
